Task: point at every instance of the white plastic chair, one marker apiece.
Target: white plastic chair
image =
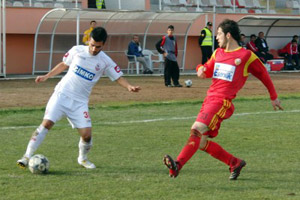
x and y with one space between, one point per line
227 3
185 3
167 8
182 2
183 9
161 62
213 3
160 59
256 4
258 11
242 3
132 62
229 10
199 9
38 5
243 10
296 5
58 5
201 4
167 2
18 4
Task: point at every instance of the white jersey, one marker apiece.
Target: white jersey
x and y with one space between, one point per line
84 72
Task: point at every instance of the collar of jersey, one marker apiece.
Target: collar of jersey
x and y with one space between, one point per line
233 50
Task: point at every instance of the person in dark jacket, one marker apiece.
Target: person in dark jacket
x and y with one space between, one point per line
168 47
134 48
263 47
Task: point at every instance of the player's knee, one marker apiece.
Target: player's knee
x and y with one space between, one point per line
195 132
200 127
87 137
47 124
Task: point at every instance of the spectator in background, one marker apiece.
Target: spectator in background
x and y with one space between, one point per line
251 46
168 47
134 48
295 37
242 42
263 47
100 4
290 52
86 34
206 42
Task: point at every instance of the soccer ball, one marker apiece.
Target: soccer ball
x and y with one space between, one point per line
188 83
38 164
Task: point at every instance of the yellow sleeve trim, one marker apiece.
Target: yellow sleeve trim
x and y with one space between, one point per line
250 60
213 55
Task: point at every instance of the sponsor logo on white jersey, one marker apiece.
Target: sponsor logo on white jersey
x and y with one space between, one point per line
97 68
224 71
117 69
84 73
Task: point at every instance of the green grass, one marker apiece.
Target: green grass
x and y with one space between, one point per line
128 154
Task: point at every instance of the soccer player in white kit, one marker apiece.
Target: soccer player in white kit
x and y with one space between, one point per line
86 65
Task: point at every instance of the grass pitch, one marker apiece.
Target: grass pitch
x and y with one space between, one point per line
130 142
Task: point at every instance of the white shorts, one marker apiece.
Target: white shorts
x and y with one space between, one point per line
77 113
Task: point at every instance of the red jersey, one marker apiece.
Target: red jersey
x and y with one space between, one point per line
289 49
230 69
251 46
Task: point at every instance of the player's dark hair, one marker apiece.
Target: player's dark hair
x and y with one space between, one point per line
92 22
230 26
99 34
171 27
294 41
253 35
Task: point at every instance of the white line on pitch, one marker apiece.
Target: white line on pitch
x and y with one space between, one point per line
156 120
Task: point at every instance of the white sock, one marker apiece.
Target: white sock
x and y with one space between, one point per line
84 148
35 141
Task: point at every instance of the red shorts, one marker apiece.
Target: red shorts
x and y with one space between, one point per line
213 111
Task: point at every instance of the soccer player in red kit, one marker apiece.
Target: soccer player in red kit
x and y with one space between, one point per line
229 68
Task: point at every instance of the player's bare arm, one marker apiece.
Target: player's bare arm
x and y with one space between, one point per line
59 68
124 83
201 72
276 104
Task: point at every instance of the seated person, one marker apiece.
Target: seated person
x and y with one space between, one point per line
252 47
134 48
290 52
242 41
263 47
295 37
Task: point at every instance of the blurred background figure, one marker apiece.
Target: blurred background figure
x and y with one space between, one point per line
206 42
86 34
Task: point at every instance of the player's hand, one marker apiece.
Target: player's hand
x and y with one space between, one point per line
133 88
201 72
41 79
165 54
276 104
